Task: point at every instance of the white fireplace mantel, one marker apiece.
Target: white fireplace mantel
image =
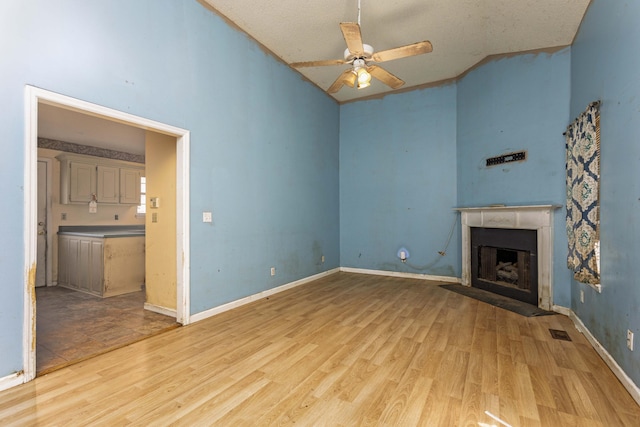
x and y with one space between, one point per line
531 217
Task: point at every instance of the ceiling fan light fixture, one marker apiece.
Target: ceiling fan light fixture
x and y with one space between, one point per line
364 78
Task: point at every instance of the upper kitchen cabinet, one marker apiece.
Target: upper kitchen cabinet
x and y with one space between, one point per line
108 181
83 178
80 182
130 186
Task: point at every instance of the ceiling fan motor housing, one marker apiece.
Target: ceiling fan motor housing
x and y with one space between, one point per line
368 52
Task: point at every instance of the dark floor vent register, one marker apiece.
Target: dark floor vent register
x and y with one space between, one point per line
559 335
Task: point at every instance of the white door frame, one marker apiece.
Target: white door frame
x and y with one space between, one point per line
34 96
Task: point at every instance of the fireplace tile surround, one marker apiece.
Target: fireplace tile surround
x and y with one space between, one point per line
531 217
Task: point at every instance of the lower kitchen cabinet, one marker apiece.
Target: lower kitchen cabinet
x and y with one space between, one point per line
101 266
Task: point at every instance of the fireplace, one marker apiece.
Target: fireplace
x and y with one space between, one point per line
504 261
534 220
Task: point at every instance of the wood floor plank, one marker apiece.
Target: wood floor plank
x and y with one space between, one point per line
268 409
471 410
394 407
525 395
541 384
347 349
474 369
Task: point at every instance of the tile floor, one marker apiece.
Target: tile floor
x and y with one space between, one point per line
72 326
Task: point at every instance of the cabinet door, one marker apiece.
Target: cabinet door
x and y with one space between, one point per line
82 182
63 260
96 267
72 262
89 265
108 184
84 265
130 186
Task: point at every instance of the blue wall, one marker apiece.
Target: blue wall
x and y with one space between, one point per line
264 143
605 65
398 182
512 104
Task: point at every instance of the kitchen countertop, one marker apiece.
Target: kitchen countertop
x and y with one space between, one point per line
102 231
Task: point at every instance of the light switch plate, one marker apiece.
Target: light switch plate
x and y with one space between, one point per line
207 217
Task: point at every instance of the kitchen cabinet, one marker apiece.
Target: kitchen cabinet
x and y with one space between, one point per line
130 186
80 263
81 181
105 261
110 181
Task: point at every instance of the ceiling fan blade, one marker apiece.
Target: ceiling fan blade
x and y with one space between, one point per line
318 63
403 51
353 37
346 78
385 77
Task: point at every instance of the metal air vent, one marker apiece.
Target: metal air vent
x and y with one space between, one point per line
519 156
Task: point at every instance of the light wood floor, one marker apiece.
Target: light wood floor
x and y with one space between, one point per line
342 351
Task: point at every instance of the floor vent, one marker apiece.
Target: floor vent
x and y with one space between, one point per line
559 335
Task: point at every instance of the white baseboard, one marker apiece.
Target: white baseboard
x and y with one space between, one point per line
627 382
562 310
447 279
171 312
11 380
246 300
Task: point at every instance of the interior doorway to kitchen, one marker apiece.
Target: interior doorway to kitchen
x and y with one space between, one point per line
38 97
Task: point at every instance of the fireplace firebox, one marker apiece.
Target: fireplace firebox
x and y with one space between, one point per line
538 218
504 261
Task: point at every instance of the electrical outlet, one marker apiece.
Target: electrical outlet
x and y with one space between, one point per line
116 217
63 216
581 295
273 271
629 340
322 259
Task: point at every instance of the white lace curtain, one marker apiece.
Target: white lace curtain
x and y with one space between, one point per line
583 180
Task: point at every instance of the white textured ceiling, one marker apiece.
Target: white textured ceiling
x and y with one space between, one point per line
463 32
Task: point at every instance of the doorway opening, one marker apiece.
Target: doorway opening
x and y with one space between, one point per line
35 98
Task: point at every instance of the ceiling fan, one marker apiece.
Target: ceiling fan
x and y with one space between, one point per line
360 55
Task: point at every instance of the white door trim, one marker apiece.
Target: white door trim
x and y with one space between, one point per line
33 96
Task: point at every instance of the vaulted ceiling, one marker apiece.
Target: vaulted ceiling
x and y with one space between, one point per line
462 32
